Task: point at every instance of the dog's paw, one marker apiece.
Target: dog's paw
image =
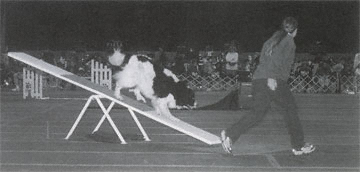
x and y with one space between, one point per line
119 97
138 98
138 95
173 118
142 99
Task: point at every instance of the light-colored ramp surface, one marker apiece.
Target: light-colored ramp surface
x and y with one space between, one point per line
138 107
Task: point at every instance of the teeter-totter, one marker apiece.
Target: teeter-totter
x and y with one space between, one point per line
101 92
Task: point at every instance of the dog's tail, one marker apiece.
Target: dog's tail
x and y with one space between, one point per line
116 58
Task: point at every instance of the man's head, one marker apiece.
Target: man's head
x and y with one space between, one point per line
290 24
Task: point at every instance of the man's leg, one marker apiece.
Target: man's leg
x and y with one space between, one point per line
284 98
261 104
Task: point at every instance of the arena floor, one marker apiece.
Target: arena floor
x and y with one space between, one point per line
33 132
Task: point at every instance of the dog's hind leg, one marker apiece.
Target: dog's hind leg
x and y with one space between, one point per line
166 112
161 107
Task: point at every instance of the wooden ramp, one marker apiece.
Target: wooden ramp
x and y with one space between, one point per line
129 103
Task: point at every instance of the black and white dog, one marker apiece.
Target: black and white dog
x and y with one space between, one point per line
152 81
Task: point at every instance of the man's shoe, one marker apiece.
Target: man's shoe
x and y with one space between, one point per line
226 142
306 149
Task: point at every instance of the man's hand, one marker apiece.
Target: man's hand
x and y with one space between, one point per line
272 84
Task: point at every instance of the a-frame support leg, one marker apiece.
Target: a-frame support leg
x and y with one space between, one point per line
143 132
79 117
146 137
103 117
106 115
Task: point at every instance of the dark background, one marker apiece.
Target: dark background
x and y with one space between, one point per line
145 25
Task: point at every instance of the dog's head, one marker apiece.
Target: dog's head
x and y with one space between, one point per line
116 58
185 97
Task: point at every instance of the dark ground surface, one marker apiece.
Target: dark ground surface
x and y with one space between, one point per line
33 132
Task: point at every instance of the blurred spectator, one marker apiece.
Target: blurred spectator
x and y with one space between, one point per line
254 62
304 70
62 63
324 72
315 67
200 61
159 56
295 66
193 68
208 50
191 55
169 61
179 65
338 68
248 63
356 66
219 64
48 57
328 60
5 71
208 67
232 58
17 74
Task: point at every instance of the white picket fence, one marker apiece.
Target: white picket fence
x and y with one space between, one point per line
32 83
101 74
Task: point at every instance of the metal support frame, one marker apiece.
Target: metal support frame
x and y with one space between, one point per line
106 115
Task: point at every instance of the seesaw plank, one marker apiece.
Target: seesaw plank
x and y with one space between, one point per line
136 106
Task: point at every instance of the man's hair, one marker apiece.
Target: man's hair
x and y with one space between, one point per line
289 25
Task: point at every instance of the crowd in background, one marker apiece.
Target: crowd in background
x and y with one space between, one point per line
326 71
208 62
186 61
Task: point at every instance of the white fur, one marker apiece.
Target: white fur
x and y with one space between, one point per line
140 76
117 58
169 73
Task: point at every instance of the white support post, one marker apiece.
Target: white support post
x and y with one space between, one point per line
106 115
143 132
79 117
103 117
110 121
146 137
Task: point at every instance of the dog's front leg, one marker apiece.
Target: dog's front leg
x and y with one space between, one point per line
138 94
156 106
117 93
